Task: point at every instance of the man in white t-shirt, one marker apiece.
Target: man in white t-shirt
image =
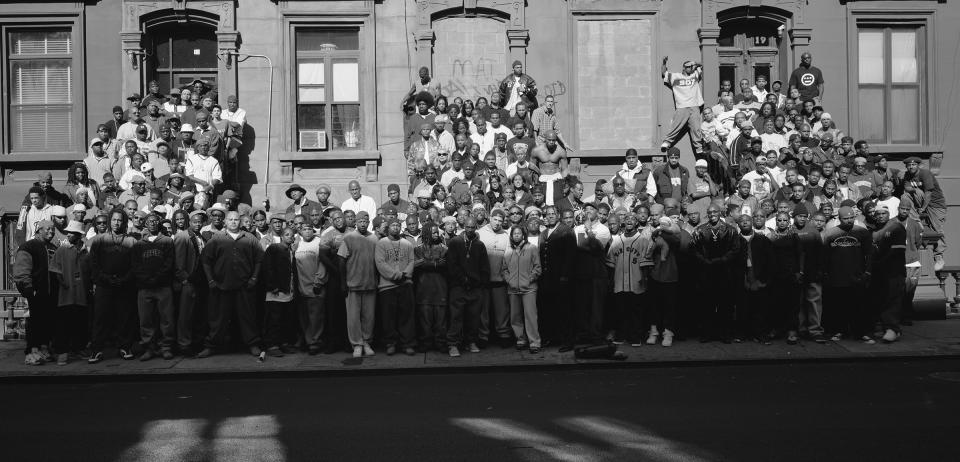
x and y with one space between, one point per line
358 202
761 181
688 96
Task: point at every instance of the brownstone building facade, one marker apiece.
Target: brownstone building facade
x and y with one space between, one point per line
322 80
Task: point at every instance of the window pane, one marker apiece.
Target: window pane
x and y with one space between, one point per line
903 59
905 117
345 126
41 81
40 42
41 128
311 117
310 80
162 54
871 57
195 50
871 115
328 39
346 80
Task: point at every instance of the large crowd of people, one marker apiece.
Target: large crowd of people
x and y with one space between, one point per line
785 229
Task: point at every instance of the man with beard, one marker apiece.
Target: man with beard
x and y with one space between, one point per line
31 274
848 259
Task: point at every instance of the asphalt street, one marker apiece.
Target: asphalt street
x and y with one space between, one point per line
876 411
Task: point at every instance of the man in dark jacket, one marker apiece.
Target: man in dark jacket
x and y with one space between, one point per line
114 296
716 247
754 270
847 261
468 274
558 251
152 261
231 261
671 178
32 278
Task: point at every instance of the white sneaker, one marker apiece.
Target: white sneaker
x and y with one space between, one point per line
891 336
454 352
474 348
358 351
652 339
667 338
367 351
938 263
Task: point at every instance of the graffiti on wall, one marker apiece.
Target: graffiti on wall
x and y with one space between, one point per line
469 78
555 89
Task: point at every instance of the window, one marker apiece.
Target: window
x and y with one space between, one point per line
890 91
40 75
328 88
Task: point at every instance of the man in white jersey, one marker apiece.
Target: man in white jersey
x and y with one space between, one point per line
687 89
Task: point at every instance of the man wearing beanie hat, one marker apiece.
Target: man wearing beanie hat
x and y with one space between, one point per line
847 264
359 279
889 282
518 87
811 305
31 276
394 258
394 199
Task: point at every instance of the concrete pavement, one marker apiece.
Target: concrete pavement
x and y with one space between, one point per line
924 339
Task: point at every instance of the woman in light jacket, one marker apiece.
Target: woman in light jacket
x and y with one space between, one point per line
520 269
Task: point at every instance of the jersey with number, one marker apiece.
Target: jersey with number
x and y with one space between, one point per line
687 90
627 256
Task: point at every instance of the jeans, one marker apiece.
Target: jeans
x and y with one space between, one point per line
685 118
187 297
630 314
42 321
909 290
892 287
157 324
464 317
845 311
224 304
274 324
495 304
312 315
70 334
361 306
399 322
523 318
114 305
811 308
664 307
433 324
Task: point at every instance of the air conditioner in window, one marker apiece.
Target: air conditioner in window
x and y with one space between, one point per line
313 139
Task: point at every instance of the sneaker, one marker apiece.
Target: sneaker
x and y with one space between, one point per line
617 341
391 350
255 350
126 354
357 351
147 355
534 350
891 336
205 353
636 343
367 351
453 351
819 338
836 337
938 262
653 337
95 358
62 359
667 338
521 345
409 351
792 338
275 352
473 348
868 340
167 355
45 354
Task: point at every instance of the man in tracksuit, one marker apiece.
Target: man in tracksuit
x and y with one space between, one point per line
231 261
152 264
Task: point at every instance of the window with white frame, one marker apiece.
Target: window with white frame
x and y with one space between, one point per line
40 76
328 88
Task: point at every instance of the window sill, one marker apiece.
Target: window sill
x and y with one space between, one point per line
904 149
41 157
329 155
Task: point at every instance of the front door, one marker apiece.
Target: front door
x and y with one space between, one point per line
181 55
748 49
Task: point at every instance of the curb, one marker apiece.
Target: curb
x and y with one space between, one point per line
232 374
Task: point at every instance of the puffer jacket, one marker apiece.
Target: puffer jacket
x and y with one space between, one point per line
520 268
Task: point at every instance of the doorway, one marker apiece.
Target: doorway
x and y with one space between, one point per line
750 47
181 55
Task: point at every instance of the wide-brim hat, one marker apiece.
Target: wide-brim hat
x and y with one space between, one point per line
295 187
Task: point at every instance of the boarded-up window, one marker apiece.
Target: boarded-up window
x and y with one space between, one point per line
40 72
614 84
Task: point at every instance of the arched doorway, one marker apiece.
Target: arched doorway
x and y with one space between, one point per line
751 44
178 55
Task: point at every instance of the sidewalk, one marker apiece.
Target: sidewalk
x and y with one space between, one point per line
924 339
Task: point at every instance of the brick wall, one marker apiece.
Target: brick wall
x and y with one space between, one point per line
614 80
469 56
